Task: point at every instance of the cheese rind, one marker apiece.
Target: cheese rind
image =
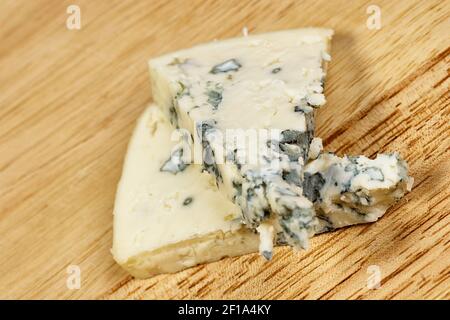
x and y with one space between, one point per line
262 82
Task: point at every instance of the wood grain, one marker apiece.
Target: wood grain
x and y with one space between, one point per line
69 101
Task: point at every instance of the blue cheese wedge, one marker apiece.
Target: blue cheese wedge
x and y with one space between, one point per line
354 189
263 83
165 222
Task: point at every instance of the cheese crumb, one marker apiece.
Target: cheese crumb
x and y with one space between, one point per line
326 56
245 31
315 148
266 233
316 99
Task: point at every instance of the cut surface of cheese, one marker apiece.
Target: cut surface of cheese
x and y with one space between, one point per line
265 84
166 222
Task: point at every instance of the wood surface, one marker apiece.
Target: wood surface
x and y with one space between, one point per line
69 100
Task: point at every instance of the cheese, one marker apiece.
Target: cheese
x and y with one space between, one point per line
267 236
166 222
268 85
315 148
352 190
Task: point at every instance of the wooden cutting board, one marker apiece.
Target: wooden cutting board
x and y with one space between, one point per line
69 100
